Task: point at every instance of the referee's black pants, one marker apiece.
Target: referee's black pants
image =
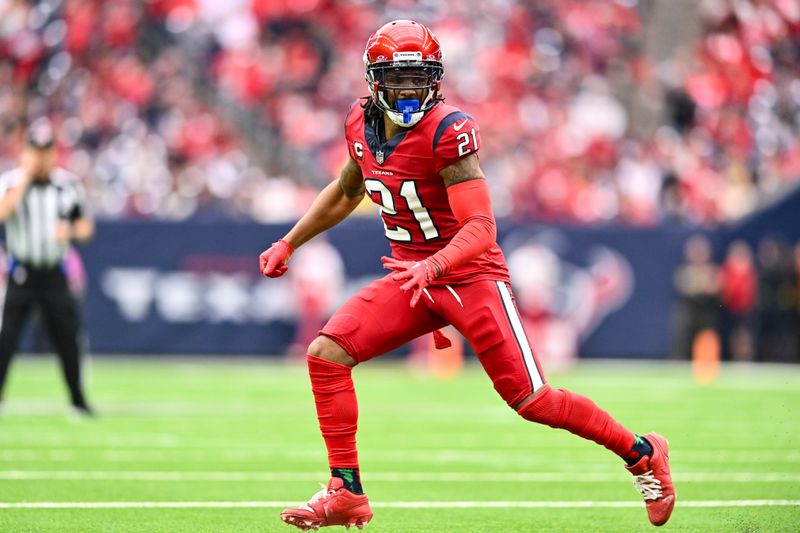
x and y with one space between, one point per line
46 288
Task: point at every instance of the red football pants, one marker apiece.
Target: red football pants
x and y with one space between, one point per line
378 319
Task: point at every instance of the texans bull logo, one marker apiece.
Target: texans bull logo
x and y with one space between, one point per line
562 303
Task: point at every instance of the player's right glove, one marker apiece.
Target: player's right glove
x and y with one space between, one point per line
415 275
272 262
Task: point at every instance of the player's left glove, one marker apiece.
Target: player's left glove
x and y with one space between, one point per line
272 262
416 274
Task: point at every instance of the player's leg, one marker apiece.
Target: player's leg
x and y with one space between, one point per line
491 323
376 320
61 320
16 310
494 329
330 369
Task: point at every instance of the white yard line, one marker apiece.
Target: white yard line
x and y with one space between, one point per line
454 458
398 505
203 409
442 477
33 445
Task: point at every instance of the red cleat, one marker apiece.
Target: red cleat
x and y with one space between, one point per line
651 477
332 506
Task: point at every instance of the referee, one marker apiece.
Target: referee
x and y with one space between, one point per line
43 209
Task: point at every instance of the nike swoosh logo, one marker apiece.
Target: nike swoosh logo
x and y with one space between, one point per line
459 126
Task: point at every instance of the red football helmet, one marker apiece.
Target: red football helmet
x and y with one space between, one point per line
404 54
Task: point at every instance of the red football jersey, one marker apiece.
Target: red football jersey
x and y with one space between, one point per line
402 177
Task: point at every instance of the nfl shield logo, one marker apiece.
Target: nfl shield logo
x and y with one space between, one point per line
379 157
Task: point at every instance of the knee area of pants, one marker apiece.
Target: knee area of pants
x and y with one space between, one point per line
325 348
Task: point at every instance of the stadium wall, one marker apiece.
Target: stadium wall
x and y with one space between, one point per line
195 288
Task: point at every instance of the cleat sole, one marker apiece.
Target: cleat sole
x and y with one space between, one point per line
299 523
359 522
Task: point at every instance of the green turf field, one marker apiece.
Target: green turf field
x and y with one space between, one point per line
209 446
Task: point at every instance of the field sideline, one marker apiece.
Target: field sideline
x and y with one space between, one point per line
206 445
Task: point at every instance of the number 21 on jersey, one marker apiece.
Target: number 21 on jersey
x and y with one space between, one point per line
464 142
408 191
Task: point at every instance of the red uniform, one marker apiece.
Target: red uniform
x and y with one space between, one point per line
402 177
447 269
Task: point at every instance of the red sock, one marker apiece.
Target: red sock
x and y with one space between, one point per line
559 408
337 410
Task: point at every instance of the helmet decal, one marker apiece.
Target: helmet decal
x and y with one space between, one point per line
407 56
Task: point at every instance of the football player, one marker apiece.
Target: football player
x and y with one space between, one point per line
417 159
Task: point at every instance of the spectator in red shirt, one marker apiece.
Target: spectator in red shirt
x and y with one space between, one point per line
738 281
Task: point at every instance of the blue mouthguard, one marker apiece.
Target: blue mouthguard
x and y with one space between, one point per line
407 107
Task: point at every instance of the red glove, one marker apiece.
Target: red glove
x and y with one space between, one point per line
416 274
272 262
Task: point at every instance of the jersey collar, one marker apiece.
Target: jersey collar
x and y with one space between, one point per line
381 151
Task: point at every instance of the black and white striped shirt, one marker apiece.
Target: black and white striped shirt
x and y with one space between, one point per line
31 228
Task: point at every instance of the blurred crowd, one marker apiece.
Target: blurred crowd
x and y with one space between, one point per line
749 301
177 109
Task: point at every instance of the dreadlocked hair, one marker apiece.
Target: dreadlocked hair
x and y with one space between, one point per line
371 111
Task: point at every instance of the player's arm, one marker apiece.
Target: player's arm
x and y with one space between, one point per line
455 145
469 200
332 205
